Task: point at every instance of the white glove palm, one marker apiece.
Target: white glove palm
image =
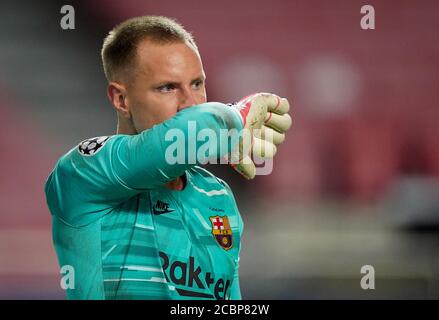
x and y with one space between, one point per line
266 119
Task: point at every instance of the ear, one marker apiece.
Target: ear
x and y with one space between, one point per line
117 94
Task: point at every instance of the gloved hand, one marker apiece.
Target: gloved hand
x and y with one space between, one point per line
265 118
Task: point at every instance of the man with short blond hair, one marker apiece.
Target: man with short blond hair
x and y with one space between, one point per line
133 224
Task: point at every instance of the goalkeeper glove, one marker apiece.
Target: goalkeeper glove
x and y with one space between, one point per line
265 118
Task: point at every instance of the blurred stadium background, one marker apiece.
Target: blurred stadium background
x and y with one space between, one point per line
356 182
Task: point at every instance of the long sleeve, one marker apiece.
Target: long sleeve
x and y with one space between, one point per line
83 187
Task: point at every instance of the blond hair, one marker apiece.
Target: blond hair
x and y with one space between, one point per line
119 47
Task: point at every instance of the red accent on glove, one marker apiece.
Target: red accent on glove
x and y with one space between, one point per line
244 111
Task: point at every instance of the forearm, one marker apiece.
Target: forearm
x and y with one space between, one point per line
162 153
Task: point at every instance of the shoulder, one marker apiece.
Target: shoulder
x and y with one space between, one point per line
77 176
82 157
88 152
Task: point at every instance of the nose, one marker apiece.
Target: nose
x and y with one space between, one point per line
187 99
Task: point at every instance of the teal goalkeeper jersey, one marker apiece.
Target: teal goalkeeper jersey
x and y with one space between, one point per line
126 236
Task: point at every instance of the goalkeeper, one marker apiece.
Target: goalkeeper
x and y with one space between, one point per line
132 224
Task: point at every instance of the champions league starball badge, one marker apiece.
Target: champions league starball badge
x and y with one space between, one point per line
91 146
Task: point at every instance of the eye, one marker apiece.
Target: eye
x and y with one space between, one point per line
166 88
198 84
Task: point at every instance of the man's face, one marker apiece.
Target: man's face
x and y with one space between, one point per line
166 78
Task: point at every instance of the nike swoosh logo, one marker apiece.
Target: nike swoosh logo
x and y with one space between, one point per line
159 212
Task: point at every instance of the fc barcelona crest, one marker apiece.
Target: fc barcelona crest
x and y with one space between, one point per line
221 231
